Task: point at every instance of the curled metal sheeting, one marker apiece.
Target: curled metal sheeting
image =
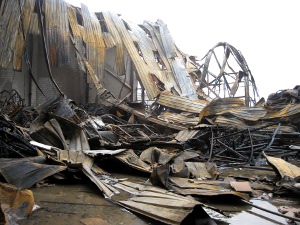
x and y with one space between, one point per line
95 46
118 43
181 103
143 70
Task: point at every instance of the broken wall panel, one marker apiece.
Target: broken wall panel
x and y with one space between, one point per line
142 69
57 31
77 35
95 46
109 41
166 77
181 103
120 64
179 71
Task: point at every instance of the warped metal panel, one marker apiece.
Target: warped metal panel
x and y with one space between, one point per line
167 77
282 167
220 105
146 48
77 34
149 53
179 119
236 108
26 15
57 31
180 73
288 110
120 69
73 22
95 45
159 204
182 103
252 114
26 172
240 124
184 135
34 25
9 23
142 69
108 40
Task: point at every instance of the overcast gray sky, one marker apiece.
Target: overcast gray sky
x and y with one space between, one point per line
265 31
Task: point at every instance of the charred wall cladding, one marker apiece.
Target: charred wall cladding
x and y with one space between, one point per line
69 78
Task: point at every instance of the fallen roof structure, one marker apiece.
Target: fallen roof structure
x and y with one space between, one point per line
193 129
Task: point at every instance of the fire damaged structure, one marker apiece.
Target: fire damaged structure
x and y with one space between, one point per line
84 94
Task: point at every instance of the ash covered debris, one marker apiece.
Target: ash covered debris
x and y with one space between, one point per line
98 95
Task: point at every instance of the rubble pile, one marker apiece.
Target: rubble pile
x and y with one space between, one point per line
194 131
64 139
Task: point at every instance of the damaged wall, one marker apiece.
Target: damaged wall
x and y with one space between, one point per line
83 53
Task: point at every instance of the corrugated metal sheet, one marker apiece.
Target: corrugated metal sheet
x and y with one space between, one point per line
236 108
220 105
57 31
167 77
108 40
95 46
120 65
185 135
77 34
146 47
240 124
149 53
9 25
182 103
179 71
142 69
251 114
26 15
178 119
34 24
288 110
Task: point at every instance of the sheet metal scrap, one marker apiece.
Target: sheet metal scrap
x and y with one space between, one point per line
59 132
289 173
162 205
15 203
67 110
78 160
26 172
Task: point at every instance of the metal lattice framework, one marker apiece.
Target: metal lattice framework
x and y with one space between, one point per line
225 73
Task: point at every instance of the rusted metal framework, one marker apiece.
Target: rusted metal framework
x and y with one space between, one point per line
225 73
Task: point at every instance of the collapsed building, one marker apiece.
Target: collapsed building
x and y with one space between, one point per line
85 85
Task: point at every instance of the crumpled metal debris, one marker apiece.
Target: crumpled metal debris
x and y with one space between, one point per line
15 203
